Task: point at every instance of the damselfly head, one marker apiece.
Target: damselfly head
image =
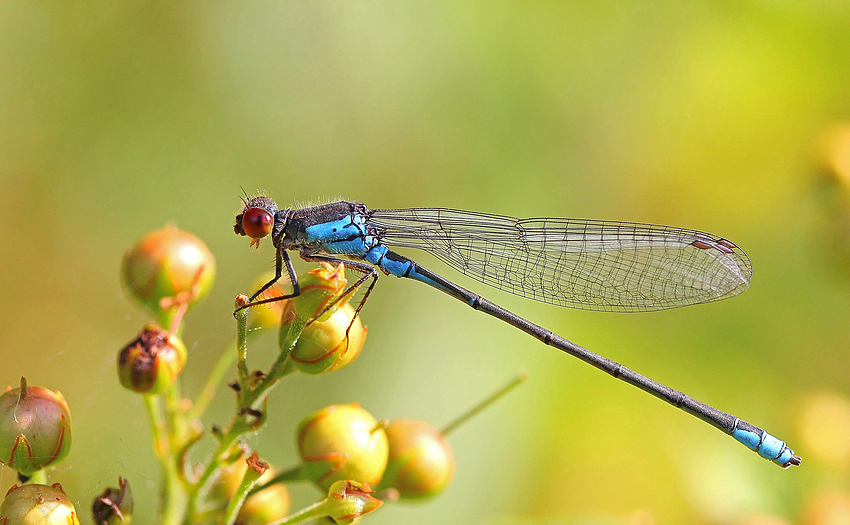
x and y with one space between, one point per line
256 219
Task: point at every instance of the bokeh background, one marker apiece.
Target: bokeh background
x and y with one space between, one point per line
731 117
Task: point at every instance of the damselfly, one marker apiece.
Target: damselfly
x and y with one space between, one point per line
588 264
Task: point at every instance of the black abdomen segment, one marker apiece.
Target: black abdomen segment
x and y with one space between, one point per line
767 446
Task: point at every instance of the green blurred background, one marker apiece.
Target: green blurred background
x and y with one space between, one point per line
119 117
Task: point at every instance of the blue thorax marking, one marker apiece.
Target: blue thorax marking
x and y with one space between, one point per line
345 236
356 247
338 230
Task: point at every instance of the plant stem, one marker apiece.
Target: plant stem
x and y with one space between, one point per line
256 468
249 397
481 405
173 496
242 343
227 440
177 425
316 510
39 476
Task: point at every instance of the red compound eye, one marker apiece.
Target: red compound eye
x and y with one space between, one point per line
257 223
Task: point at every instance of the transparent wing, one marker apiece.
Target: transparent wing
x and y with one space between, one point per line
586 264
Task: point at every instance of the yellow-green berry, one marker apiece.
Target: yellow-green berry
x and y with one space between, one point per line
35 504
342 442
421 463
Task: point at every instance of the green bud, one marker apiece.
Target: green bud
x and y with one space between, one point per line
421 463
35 428
114 506
152 362
322 346
168 267
37 505
342 442
319 288
348 500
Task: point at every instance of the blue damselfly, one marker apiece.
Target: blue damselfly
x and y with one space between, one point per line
588 264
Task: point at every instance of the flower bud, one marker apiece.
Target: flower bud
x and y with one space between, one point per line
348 500
35 504
322 346
342 442
319 288
267 315
35 428
420 463
270 504
152 362
114 506
168 266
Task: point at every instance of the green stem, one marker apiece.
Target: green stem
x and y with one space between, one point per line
157 425
249 398
481 405
242 343
39 476
226 442
317 510
255 469
177 424
173 496
165 319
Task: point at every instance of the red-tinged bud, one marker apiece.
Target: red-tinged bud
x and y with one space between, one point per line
319 288
342 442
323 346
270 504
114 506
37 505
152 362
167 268
268 315
35 428
348 500
421 463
